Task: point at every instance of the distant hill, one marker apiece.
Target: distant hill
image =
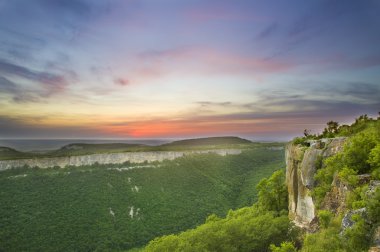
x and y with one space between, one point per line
9 153
77 149
227 140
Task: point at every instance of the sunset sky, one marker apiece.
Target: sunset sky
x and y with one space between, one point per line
264 70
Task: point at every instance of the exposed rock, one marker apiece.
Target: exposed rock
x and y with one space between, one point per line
347 221
335 200
108 158
372 187
301 166
375 241
364 179
374 249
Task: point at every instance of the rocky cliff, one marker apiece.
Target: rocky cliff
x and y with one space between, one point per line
301 166
108 158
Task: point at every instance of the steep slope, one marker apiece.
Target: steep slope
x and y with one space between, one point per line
333 193
334 188
108 158
301 166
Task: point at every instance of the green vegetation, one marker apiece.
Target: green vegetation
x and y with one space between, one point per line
325 217
257 228
333 129
208 142
265 227
9 153
169 197
89 208
284 247
360 155
331 237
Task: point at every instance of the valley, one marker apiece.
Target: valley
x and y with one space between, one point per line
119 206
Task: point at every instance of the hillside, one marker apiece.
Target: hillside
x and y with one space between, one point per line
209 141
330 201
9 153
115 207
78 149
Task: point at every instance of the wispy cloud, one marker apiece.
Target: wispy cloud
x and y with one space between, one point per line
203 60
280 114
18 94
52 81
268 31
45 83
27 127
7 85
218 12
121 81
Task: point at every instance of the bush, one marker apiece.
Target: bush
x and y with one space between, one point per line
349 176
357 151
324 240
301 141
284 247
373 208
357 237
374 156
325 217
272 192
324 177
361 154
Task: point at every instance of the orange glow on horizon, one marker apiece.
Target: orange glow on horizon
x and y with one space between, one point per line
169 128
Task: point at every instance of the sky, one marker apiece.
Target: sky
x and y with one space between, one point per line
263 70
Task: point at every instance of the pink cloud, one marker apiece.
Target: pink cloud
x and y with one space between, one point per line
202 60
121 81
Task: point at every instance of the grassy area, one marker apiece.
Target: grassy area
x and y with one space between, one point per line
77 149
89 208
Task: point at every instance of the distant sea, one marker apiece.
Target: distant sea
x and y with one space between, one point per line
53 144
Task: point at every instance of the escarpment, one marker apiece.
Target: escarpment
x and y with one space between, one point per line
301 165
109 158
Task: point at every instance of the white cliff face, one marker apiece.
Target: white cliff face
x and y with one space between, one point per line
108 158
300 170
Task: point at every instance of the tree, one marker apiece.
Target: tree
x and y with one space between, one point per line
306 132
332 127
325 217
284 247
272 192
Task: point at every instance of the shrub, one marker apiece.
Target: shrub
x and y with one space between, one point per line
357 151
357 237
349 176
272 192
325 240
325 217
284 247
301 141
373 207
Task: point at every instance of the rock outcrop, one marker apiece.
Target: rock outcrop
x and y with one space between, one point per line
109 158
301 166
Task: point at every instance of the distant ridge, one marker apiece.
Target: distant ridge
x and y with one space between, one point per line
79 146
77 149
209 141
